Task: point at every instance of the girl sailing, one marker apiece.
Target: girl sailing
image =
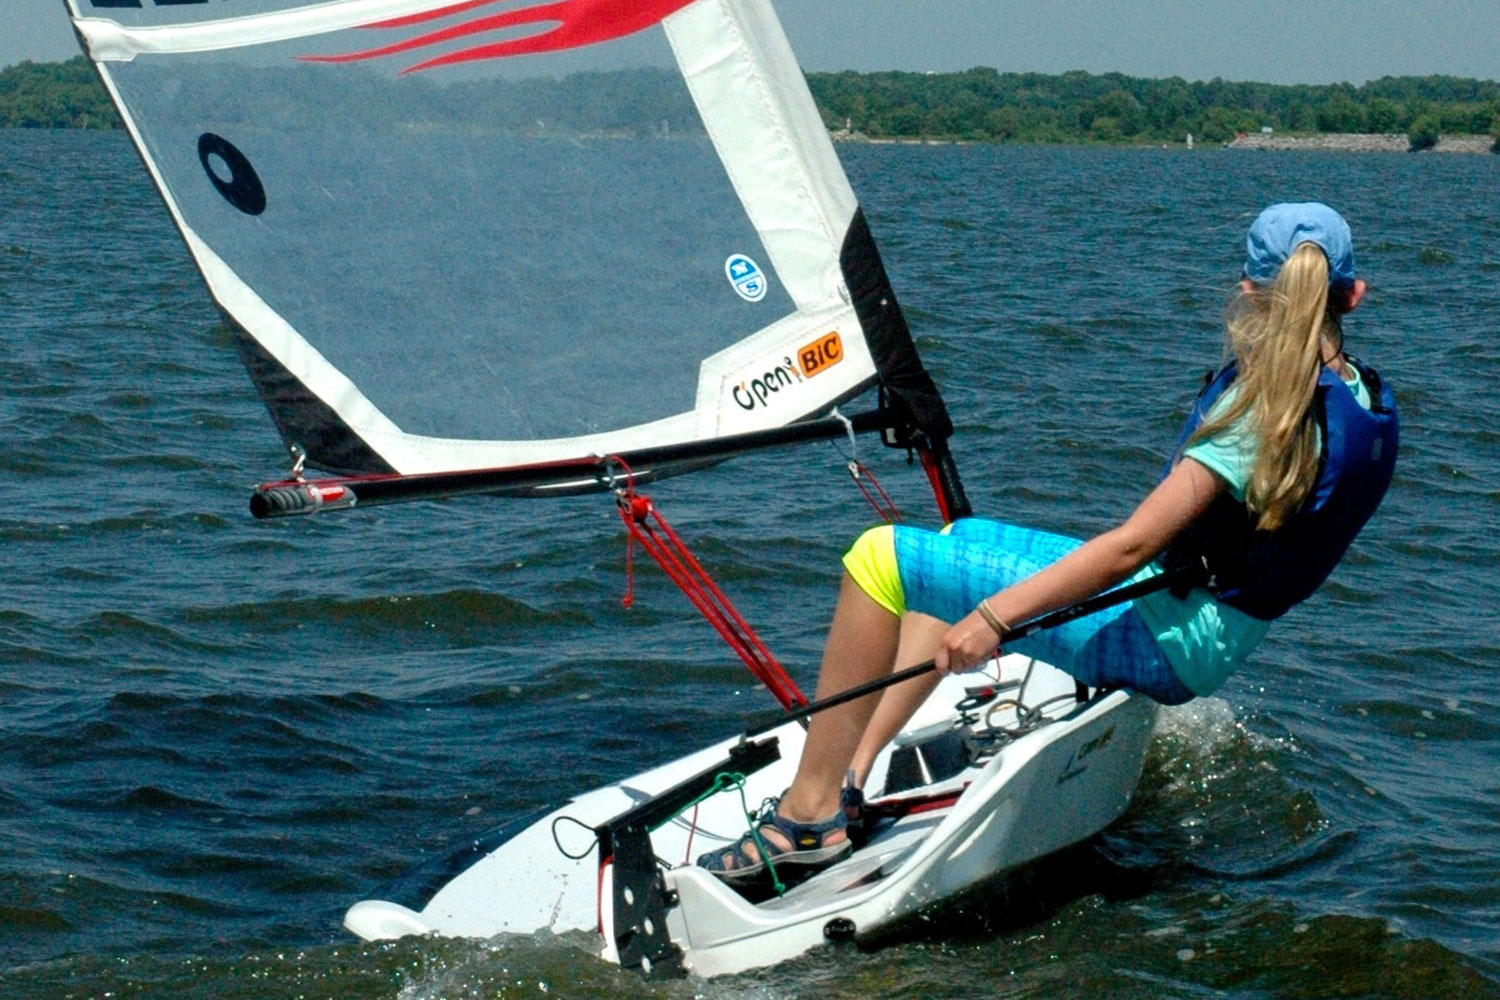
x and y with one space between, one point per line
1284 457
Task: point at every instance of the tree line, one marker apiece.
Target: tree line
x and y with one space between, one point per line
981 105
54 95
987 105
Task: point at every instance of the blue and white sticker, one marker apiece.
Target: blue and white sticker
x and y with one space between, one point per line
746 276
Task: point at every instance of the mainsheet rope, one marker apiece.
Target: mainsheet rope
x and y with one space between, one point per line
726 781
880 501
646 527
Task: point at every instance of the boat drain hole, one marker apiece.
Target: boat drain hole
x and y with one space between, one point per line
839 929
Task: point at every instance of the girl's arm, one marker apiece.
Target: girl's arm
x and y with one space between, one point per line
1093 567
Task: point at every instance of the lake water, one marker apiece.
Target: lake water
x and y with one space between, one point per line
216 733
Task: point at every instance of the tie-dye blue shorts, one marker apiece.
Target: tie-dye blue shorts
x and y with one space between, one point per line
945 574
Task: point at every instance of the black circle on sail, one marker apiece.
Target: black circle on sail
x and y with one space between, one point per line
242 188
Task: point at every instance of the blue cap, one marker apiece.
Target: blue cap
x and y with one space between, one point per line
1280 229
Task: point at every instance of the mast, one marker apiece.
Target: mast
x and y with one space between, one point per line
907 388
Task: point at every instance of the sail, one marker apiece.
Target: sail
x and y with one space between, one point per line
498 233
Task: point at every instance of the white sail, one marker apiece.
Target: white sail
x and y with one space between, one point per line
495 233
460 237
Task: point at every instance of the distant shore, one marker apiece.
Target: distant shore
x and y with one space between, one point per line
1333 142
1350 142
975 106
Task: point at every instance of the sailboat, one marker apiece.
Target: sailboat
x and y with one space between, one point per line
521 248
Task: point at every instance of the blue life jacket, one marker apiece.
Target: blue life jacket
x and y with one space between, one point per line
1264 573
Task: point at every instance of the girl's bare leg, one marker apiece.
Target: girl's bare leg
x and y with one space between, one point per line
861 646
918 641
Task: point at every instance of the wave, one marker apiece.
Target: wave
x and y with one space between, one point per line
451 610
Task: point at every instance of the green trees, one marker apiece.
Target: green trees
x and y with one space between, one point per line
979 104
1383 115
1340 113
1114 115
1423 133
54 95
1082 107
1220 124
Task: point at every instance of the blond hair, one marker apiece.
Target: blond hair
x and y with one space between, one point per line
1276 335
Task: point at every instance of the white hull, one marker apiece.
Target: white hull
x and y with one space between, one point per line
1044 790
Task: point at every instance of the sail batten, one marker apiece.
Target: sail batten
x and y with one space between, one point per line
468 236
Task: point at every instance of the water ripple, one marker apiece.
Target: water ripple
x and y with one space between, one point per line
217 733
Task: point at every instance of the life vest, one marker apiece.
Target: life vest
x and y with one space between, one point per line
1264 573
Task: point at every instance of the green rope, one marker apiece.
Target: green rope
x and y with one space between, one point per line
723 782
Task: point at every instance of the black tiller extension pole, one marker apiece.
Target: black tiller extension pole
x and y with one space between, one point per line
1108 599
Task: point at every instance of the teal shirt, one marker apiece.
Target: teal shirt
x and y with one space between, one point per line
1203 639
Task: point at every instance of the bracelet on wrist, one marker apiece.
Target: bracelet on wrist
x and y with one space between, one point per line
991 619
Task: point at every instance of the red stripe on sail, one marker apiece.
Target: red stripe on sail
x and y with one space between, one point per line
407 20
575 24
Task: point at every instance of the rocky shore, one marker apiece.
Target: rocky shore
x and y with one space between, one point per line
1338 142
1392 142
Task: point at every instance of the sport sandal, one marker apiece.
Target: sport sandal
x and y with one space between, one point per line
808 854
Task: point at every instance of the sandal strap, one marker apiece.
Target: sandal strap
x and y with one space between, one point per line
805 845
736 853
802 836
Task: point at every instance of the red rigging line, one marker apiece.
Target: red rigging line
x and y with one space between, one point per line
575 24
647 527
935 479
643 522
875 495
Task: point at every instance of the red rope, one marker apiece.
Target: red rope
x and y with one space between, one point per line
883 504
929 465
647 527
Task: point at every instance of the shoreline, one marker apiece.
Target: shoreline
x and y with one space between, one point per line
1348 142
1358 142
1332 142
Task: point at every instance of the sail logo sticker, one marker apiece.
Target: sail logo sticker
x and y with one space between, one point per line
812 359
242 188
821 355
746 277
756 392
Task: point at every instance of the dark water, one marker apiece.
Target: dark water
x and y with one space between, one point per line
215 733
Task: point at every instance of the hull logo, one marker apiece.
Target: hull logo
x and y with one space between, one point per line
1077 762
746 277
